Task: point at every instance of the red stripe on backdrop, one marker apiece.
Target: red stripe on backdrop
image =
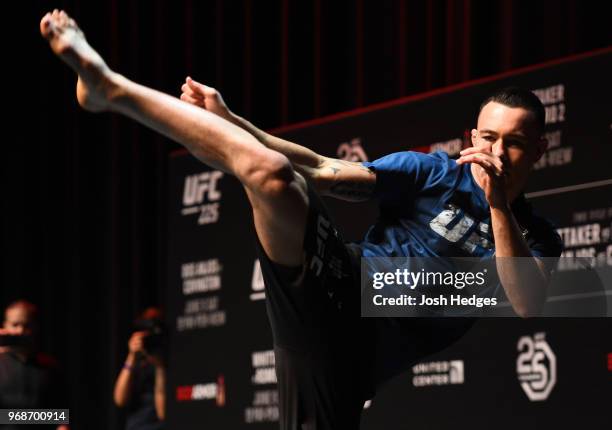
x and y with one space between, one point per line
426 94
439 91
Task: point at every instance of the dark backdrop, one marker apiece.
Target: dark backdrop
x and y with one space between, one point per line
83 232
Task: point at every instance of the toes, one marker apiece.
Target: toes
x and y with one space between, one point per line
63 18
66 20
56 22
45 25
50 24
54 18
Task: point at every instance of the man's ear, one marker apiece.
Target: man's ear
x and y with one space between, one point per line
473 136
541 148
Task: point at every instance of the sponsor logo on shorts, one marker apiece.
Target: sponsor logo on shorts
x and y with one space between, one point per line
323 231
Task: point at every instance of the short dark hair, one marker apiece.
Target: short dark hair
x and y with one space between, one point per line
30 308
517 97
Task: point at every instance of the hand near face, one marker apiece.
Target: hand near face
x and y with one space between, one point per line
136 342
492 174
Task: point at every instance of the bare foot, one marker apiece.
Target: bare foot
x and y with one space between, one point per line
68 42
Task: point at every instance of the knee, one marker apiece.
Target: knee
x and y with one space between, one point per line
269 173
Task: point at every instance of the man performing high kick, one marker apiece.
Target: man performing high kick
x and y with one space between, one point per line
328 359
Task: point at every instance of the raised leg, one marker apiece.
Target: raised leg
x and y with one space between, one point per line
277 193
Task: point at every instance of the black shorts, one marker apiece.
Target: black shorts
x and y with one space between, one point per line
329 360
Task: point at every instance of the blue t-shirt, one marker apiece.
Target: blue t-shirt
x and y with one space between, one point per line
431 207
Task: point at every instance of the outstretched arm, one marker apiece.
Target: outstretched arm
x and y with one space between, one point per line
345 180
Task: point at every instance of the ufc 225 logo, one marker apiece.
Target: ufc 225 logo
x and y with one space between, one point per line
453 223
536 367
201 196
